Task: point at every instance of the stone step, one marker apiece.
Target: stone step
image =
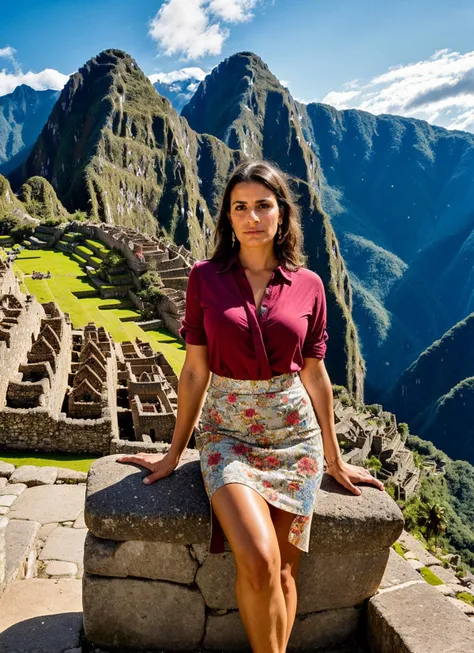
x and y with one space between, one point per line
37 242
41 616
20 540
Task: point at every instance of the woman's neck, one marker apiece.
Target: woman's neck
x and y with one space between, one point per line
258 259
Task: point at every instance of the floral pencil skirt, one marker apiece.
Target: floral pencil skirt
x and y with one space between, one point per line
263 434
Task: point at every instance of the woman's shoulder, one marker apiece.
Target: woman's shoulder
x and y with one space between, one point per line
206 268
307 276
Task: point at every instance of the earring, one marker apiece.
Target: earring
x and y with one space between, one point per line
233 238
279 239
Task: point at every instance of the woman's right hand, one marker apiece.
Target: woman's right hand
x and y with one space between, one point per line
160 465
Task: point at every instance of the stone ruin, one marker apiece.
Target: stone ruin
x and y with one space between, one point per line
361 435
76 390
142 253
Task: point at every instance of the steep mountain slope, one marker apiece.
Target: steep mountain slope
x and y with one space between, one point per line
435 395
113 147
402 190
23 114
244 105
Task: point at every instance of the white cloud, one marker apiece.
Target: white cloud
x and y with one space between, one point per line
233 11
439 89
47 78
180 75
7 53
194 28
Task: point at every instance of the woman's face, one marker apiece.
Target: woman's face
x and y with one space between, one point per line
254 213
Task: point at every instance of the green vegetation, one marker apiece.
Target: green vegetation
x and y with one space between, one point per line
68 461
41 201
67 279
442 511
430 577
466 597
373 463
400 548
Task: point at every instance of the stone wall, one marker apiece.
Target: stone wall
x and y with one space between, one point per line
150 582
20 337
37 428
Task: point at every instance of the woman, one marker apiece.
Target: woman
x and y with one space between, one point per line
255 326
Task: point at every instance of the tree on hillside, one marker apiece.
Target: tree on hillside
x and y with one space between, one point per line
433 521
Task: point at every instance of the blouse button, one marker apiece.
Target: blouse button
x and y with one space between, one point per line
267 291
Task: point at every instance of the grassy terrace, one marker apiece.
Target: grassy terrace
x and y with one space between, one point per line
68 278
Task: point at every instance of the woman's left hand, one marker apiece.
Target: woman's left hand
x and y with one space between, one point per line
347 474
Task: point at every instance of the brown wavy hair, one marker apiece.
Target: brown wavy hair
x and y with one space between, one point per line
289 252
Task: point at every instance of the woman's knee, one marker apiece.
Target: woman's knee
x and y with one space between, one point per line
259 565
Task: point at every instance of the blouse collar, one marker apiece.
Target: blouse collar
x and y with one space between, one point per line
234 260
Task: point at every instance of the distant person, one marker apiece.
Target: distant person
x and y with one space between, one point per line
267 420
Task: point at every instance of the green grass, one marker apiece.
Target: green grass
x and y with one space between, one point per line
83 250
67 278
430 577
68 461
97 245
399 548
466 597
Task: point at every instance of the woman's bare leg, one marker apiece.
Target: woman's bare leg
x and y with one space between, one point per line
245 519
290 562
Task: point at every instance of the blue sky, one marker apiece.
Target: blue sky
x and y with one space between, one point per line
411 57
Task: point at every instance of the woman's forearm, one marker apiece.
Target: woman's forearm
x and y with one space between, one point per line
191 394
319 388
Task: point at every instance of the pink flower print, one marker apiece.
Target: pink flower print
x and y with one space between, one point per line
307 465
293 417
207 427
256 428
267 484
271 395
240 449
293 486
304 402
250 412
214 458
272 496
256 461
284 399
231 398
272 462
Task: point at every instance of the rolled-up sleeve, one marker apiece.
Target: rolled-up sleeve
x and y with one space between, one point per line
314 345
192 325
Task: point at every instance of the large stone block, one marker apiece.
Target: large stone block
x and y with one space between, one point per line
397 571
153 560
6 469
344 522
337 580
31 475
325 582
325 629
119 506
313 631
126 612
416 618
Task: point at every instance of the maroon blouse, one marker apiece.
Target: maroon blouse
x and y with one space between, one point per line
221 313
